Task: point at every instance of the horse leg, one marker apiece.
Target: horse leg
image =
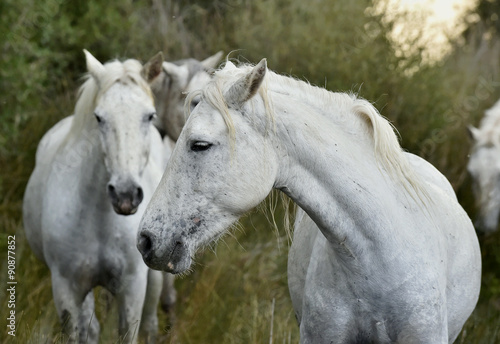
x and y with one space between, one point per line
75 310
428 326
149 320
130 302
168 294
88 317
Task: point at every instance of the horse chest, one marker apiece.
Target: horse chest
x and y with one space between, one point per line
362 302
99 247
335 305
101 266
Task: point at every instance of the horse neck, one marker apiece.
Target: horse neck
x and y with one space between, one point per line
329 169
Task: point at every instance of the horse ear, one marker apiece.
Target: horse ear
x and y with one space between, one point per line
212 61
94 67
247 86
179 73
152 68
228 65
473 133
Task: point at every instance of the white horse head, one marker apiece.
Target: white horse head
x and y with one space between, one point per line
217 195
124 111
171 87
484 168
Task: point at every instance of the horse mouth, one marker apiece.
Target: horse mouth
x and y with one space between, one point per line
125 208
175 262
174 267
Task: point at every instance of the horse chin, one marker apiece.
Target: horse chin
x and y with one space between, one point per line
178 267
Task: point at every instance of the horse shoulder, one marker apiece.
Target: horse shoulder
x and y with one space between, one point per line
33 197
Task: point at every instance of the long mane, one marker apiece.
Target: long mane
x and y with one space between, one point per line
387 148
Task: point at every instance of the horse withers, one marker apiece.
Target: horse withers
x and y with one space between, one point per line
94 173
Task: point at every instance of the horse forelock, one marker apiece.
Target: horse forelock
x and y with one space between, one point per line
127 72
214 93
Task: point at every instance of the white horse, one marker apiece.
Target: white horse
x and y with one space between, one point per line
384 252
170 88
177 79
90 167
484 168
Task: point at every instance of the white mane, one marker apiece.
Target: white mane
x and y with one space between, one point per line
348 106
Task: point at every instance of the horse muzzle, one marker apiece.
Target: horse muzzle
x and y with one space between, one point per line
174 259
125 199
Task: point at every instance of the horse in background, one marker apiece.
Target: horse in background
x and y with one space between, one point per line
170 88
176 80
382 251
484 168
94 173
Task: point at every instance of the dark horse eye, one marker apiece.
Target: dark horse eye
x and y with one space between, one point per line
199 146
194 103
99 120
151 116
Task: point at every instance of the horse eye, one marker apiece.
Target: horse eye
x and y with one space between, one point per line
99 119
151 116
194 103
199 146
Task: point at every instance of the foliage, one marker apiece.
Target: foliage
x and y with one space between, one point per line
341 45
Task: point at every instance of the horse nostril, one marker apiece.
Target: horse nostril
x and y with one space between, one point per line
112 191
177 248
139 194
145 245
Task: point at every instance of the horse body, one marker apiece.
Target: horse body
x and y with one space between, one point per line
484 169
88 170
383 253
